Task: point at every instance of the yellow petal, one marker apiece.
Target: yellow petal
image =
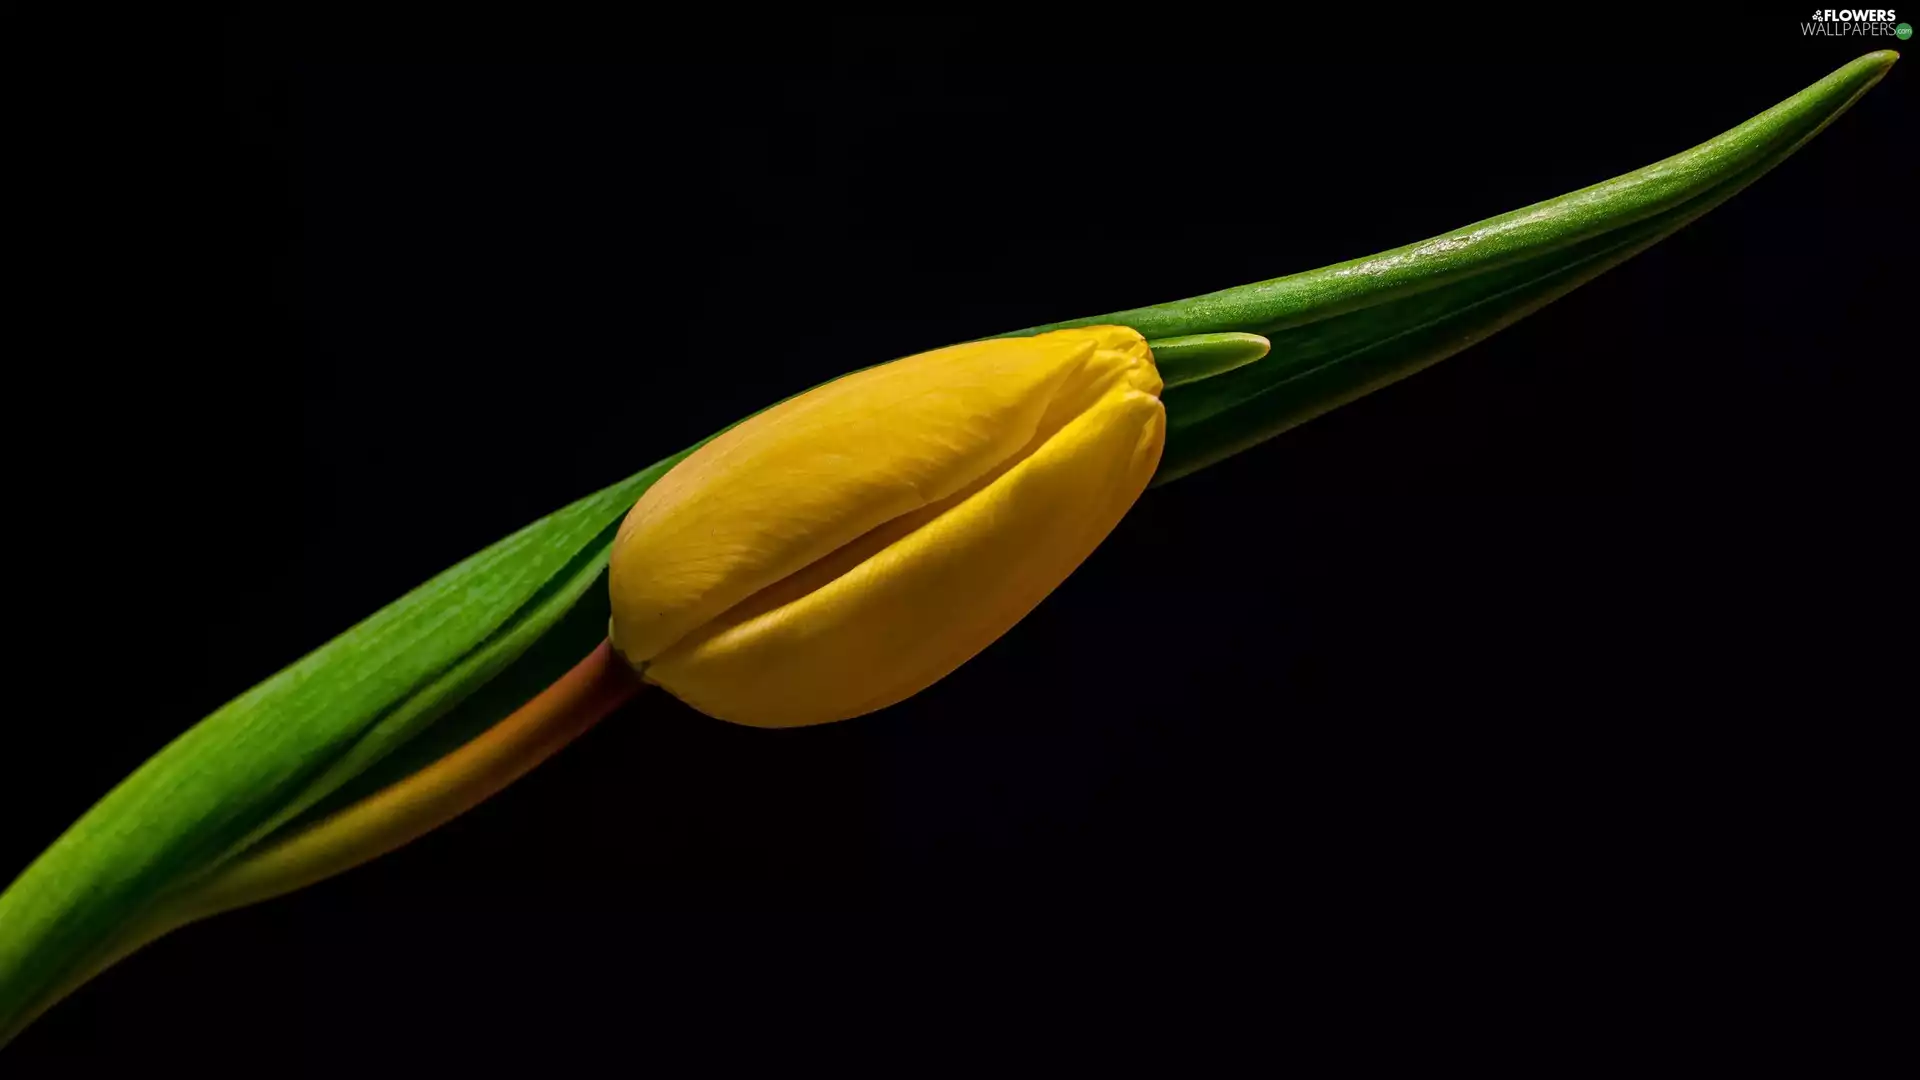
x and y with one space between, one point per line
850 547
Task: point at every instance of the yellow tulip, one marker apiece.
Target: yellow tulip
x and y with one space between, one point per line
850 547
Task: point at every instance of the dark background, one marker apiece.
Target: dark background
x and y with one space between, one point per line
1504 660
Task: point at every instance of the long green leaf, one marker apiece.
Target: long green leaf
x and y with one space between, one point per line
291 741
443 662
1341 331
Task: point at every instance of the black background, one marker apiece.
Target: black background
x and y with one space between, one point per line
1500 662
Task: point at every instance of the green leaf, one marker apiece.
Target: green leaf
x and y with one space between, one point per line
289 743
1345 330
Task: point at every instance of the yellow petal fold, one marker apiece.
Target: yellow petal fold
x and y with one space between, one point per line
850 547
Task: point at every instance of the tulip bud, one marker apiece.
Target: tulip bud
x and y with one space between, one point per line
851 546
